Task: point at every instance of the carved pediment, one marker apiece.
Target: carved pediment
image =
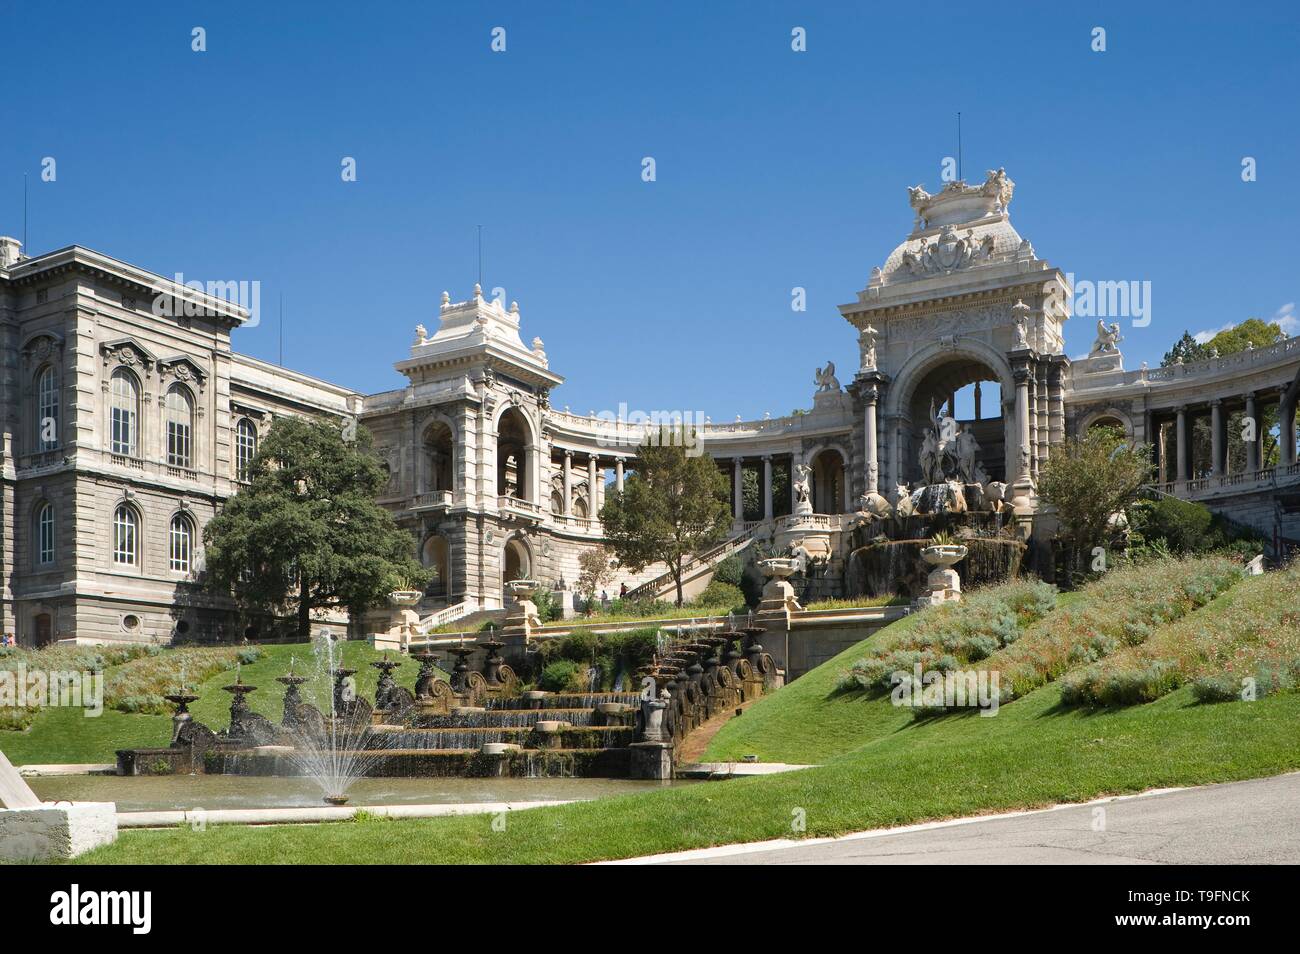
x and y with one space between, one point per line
42 346
129 352
183 369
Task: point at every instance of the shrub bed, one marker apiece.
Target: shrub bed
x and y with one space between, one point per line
1249 646
949 637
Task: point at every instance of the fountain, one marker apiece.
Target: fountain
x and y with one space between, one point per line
955 497
943 583
495 670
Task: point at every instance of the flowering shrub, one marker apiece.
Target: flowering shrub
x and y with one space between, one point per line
1251 647
948 637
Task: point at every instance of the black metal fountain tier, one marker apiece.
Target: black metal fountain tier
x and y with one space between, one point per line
181 700
425 679
492 667
386 686
460 671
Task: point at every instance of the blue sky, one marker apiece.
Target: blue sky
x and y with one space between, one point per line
775 169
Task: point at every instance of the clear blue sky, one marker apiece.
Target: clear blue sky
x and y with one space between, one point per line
775 168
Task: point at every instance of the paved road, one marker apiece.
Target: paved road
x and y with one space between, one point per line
1255 822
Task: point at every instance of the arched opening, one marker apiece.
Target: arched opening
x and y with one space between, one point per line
47 409
516 564
970 392
124 414
514 456
436 553
438 450
828 485
42 630
178 415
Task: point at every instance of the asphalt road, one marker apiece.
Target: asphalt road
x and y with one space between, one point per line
1255 822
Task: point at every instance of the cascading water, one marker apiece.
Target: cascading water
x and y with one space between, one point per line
334 744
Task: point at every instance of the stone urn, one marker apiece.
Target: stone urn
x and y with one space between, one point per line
778 594
405 619
943 583
522 615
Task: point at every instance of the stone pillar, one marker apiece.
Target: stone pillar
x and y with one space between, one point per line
1217 433
1033 421
618 474
871 452
1023 450
767 488
1253 447
1056 403
568 483
794 459
1184 451
1286 418
737 496
593 498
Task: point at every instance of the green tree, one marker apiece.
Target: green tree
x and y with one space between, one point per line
1088 481
595 570
1186 350
306 533
1253 332
673 506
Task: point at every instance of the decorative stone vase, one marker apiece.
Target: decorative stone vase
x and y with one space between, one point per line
943 583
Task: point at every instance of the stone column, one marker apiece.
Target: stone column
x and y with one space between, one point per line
1023 450
618 474
593 498
738 499
568 483
1217 433
1056 404
871 452
1184 461
767 488
794 459
1286 418
978 396
1033 421
1252 447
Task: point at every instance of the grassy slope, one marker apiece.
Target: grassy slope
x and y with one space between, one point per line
808 722
67 735
1033 753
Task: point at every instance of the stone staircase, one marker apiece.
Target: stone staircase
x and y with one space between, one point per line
662 585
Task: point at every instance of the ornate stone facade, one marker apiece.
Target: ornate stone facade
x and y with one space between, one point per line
494 483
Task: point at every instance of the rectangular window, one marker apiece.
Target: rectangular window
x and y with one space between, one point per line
123 431
178 444
45 536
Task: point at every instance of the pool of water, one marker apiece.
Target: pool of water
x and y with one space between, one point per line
212 792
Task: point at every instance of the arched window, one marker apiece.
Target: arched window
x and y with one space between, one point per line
180 544
124 414
45 534
126 536
178 412
245 447
47 409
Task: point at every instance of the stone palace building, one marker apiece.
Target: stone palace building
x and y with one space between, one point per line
125 429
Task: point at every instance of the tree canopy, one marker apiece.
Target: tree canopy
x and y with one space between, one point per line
1088 480
306 533
1253 332
671 507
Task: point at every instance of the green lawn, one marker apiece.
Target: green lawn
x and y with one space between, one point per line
1032 753
879 767
67 735
808 722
